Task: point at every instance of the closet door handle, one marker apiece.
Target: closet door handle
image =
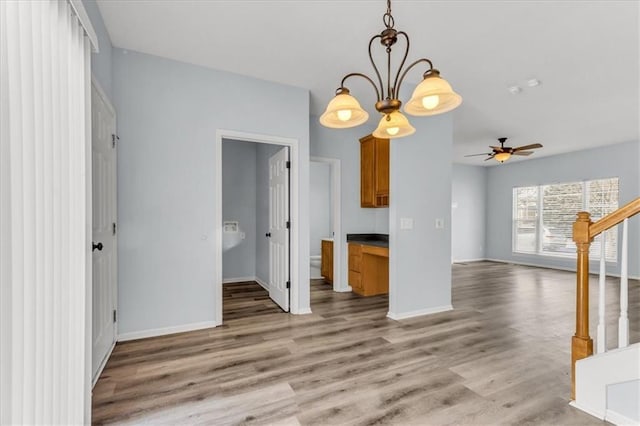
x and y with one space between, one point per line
268 235
97 247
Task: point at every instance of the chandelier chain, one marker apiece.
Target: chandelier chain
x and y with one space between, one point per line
387 18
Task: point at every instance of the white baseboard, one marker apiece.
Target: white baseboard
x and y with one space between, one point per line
586 410
164 331
480 259
619 419
320 277
305 311
411 314
238 280
103 364
262 283
560 268
346 289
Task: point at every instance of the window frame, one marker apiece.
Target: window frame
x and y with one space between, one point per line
540 220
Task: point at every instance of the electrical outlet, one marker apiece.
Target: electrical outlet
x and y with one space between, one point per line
439 223
406 223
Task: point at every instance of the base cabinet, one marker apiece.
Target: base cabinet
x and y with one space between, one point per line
368 269
326 265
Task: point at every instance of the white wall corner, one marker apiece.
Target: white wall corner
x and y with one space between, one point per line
421 312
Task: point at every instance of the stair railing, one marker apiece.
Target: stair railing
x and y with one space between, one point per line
584 231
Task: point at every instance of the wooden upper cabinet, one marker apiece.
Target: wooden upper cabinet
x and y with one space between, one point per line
374 172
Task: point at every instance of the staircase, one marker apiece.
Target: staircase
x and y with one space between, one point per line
607 384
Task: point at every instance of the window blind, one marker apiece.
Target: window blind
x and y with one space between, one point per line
543 216
44 188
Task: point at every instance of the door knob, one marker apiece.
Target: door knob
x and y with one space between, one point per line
97 247
268 235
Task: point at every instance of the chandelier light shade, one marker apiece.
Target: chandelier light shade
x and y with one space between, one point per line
343 111
502 156
393 125
432 96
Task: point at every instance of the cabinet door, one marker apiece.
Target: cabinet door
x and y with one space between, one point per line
374 172
367 172
326 269
382 172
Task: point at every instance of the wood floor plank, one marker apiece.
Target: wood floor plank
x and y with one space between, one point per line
500 357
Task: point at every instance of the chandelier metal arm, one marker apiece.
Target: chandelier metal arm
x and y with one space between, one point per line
375 68
409 69
358 74
396 92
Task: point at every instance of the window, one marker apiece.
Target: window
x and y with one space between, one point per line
543 216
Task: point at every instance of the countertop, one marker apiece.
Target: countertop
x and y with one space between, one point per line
377 240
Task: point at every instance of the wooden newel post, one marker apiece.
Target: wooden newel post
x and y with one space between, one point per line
581 342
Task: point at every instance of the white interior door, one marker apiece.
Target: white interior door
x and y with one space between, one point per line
103 129
279 228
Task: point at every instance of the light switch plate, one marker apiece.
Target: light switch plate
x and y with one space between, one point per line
406 223
439 223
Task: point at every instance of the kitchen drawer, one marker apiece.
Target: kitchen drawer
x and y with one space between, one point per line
355 257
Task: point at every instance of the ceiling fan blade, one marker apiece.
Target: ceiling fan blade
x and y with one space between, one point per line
492 155
522 153
477 155
497 148
526 147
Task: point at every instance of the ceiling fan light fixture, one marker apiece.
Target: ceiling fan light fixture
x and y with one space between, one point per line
501 157
432 96
343 111
394 125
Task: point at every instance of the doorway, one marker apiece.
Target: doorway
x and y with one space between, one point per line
324 205
277 228
255 218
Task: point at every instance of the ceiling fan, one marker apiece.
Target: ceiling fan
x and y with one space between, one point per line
503 153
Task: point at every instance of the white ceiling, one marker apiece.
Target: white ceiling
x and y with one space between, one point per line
585 53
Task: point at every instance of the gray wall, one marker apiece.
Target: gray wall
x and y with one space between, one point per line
320 207
619 160
468 212
168 114
239 204
420 258
264 152
101 61
382 221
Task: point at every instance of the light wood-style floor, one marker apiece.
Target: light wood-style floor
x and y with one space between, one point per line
500 357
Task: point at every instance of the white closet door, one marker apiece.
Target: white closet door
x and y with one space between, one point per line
105 266
279 229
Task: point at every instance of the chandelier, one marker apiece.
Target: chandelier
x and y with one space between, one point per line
431 97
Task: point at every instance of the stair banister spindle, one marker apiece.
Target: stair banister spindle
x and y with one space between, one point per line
601 339
623 321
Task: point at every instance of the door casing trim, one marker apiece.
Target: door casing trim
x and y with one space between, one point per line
293 144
